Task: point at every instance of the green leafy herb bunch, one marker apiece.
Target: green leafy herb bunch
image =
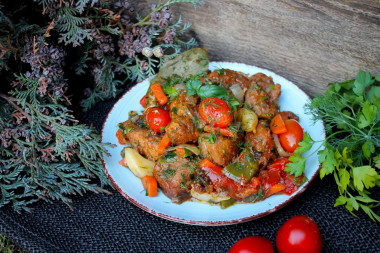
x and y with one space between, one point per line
57 56
350 111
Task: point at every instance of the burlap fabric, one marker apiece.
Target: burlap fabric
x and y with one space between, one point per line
110 223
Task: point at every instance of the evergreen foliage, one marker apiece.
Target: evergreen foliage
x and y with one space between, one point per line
47 49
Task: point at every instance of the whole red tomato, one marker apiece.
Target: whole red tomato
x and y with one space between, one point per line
290 139
215 111
157 119
252 244
299 234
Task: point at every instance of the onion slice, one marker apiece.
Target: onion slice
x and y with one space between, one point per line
189 147
212 197
238 92
180 87
280 150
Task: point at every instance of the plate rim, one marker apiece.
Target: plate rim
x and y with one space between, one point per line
210 223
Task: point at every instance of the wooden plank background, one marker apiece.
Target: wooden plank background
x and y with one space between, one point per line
310 43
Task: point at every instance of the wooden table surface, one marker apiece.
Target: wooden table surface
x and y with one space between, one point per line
311 43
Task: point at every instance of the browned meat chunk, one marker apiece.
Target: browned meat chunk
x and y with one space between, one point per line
289 115
183 106
229 77
258 100
175 176
181 130
266 83
217 148
143 140
262 96
261 142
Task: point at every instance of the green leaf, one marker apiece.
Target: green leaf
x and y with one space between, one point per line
376 160
366 199
353 98
362 81
336 177
364 176
297 165
192 86
373 95
344 157
340 201
212 91
344 176
370 213
327 158
377 180
368 148
347 85
368 115
354 203
304 145
170 91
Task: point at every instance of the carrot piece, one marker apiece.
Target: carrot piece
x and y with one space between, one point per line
206 163
213 74
277 125
226 132
180 151
159 93
143 101
150 185
120 137
223 131
276 188
123 162
164 143
207 129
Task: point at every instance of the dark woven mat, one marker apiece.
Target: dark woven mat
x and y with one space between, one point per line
110 223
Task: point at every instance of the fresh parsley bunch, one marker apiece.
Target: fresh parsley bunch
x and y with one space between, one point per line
351 113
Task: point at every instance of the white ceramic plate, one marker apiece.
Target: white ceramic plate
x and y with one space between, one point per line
292 99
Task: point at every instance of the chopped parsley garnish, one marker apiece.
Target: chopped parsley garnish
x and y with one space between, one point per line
221 71
175 110
167 174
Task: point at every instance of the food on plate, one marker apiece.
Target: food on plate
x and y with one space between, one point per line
211 136
299 234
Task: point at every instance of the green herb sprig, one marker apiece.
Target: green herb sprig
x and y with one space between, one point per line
351 113
194 87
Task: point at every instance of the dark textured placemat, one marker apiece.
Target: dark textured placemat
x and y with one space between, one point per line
110 223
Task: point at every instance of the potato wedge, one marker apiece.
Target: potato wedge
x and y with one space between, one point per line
139 165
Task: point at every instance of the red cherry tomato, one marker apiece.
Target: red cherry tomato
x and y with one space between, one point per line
289 140
216 112
157 119
278 164
299 234
252 244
